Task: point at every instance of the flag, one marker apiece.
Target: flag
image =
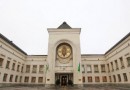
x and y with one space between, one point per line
47 67
79 67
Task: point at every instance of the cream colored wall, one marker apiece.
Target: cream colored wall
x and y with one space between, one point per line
8 53
122 50
72 37
35 60
94 60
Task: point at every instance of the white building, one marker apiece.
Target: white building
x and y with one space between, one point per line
64 62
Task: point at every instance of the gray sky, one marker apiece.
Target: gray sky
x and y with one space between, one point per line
103 22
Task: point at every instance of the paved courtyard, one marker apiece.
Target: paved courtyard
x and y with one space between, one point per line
63 88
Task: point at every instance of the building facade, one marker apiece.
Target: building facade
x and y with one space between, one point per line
64 64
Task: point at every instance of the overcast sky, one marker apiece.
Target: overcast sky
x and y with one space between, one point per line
103 22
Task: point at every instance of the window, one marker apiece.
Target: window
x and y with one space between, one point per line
83 79
110 78
20 80
16 78
97 79
22 69
104 78
34 69
27 68
13 66
40 79
112 66
103 68
122 63
18 68
83 69
41 69
114 77
116 64
7 64
128 61
89 69
11 78
33 79
108 67
125 77
96 69
1 62
89 79
119 77
26 79
5 77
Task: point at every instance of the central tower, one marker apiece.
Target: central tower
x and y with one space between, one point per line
64 56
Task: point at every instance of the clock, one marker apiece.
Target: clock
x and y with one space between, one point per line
64 51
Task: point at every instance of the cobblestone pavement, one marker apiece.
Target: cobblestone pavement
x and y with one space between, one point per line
63 88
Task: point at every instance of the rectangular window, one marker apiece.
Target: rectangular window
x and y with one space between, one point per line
13 66
1 62
18 68
103 68
41 68
21 69
83 69
108 67
112 69
119 77
27 68
114 77
116 64
40 79
5 77
96 69
20 80
89 69
128 61
104 78
26 79
122 63
7 64
34 69
89 79
97 79
11 78
33 79
83 79
16 78
110 79
125 77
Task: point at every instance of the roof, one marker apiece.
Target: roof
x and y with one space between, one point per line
12 44
92 54
64 25
118 42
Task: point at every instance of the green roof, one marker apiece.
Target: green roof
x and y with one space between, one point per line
64 25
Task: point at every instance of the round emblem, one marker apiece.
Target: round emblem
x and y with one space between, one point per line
64 51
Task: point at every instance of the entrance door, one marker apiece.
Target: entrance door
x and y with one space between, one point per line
64 80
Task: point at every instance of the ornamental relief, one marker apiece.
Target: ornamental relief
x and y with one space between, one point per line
64 53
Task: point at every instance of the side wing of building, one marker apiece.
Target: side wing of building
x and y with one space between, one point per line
16 67
111 67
